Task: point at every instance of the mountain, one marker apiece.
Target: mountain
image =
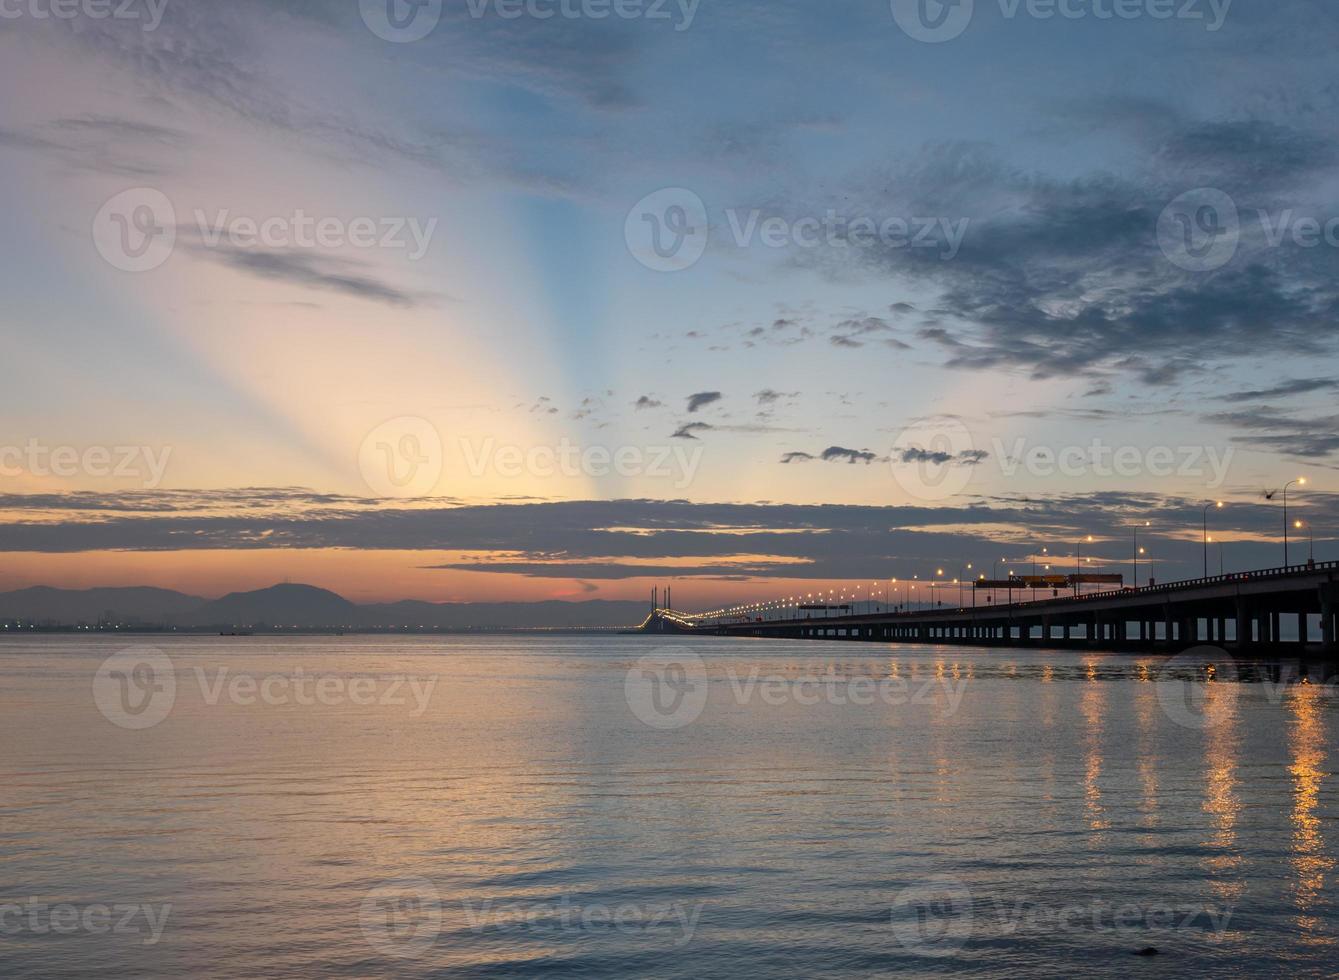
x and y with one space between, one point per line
141 605
301 607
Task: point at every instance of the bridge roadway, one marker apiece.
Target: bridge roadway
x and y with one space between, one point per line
1243 612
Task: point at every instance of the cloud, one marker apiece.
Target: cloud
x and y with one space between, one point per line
1064 277
856 331
1286 389
769 397
686 431
646 401
102 144
840 454
702 399
833 454
619 539
968 457
310 270
1306 438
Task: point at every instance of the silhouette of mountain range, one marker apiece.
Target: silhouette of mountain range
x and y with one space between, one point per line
300 607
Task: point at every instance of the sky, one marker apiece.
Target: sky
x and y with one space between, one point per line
531 299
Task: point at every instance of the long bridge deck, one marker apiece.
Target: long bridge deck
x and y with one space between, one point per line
1271 610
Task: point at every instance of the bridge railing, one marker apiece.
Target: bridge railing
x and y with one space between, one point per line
1260 573
1232 577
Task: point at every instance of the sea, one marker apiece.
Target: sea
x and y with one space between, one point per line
634 806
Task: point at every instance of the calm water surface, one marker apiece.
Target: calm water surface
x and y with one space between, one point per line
297 807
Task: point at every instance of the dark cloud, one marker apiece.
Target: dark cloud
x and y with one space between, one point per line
841 454
310 270
686 431
630 538
702 399
1056 278
1247 154
798 457
646 401
968 457
856 331
1271 430
102 144
1286 389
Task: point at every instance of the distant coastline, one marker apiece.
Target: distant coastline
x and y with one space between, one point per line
294 609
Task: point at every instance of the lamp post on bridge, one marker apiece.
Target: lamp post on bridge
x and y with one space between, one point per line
1138 551
1078 564
1301 482
1311 541
1204 527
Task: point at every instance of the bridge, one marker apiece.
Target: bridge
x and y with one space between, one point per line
1273 611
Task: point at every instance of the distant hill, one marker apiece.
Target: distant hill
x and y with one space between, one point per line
302 607
279 605
70 607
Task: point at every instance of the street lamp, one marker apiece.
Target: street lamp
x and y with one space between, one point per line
1300 481
1138 551
1311 541
1078 563
1204 526
1269 495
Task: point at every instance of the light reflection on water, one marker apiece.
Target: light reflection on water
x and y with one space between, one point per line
765 838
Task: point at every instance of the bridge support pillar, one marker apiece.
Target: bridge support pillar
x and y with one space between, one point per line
1243 626
1328 596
